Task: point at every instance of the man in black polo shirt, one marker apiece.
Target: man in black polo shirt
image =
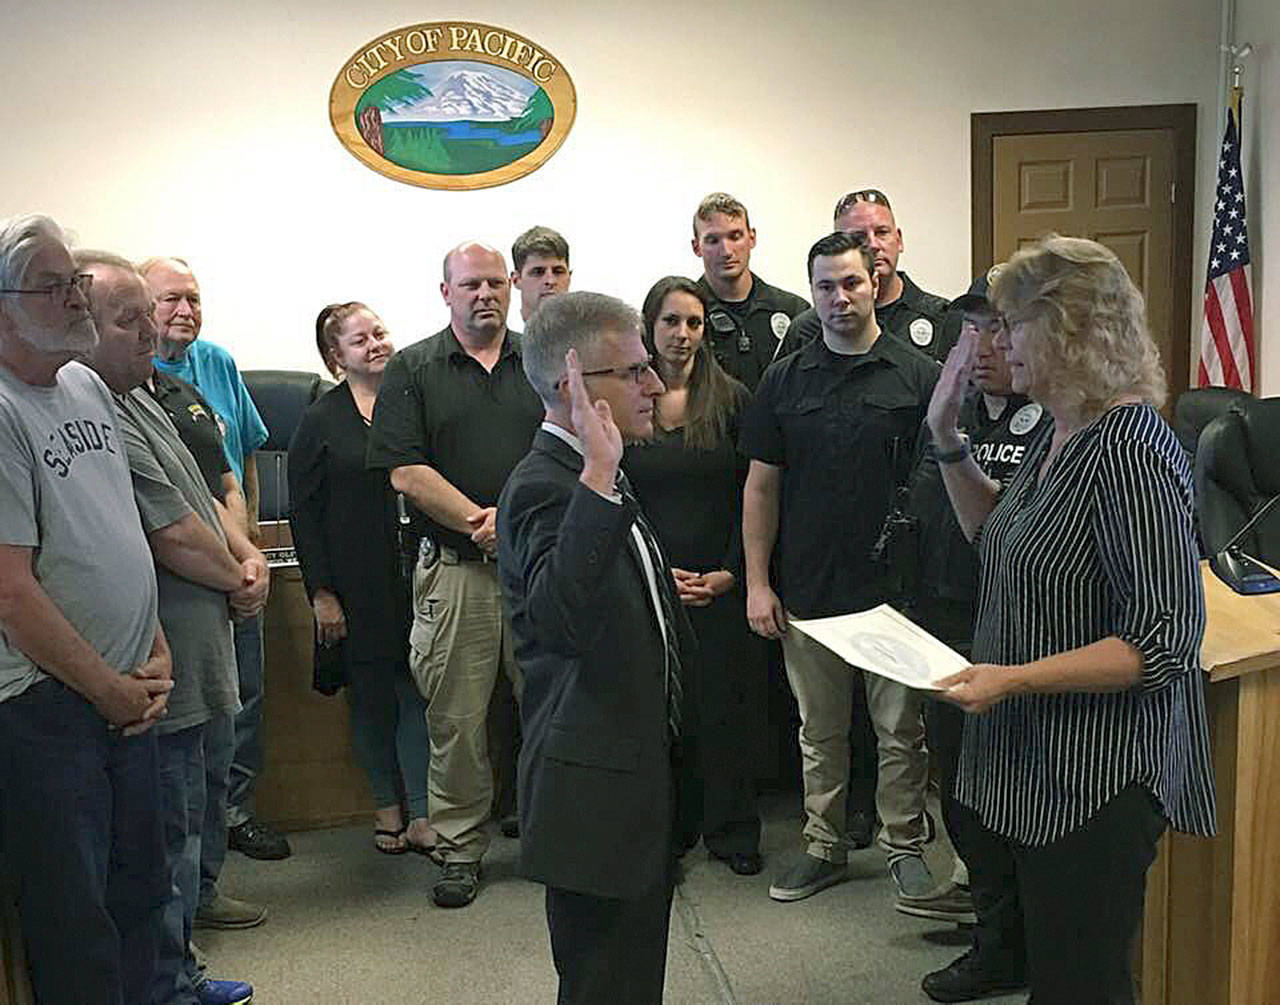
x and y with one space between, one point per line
829 435
902 308
748 317
454 416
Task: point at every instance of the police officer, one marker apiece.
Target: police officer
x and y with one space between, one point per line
902 308
748 318
1000 426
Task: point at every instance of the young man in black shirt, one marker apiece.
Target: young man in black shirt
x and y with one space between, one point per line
829 435
454 416
539 267
748 318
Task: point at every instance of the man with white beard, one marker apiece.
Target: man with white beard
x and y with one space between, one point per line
84 664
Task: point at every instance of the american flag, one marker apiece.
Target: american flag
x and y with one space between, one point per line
1226 340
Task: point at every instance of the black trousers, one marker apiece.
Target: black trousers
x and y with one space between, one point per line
609 951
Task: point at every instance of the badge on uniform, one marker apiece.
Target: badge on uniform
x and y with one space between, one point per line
779 322
1024 419
921 331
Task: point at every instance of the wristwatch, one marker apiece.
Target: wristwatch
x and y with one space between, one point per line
955 455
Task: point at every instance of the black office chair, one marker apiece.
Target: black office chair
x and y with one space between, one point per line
1198 407
281 397
1236 474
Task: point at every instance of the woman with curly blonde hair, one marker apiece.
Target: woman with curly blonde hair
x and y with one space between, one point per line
1086 732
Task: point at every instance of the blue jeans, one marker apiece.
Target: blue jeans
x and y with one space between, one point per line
219 748
389 733
82 833
182 799
247 763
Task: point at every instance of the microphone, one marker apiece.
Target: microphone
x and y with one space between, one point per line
1242 572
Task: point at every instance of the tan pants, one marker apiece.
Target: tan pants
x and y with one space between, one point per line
459 642
823 685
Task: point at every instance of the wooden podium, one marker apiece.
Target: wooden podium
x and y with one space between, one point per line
1211 931
310 778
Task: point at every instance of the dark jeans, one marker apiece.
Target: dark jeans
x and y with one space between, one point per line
182 797
219 748
82 833
246 765
609 951
1080 897
389 732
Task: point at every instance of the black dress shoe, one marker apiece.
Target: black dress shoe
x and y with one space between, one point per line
967 979
746 863
861 827
257 840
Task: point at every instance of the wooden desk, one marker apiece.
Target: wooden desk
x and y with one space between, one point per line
310 778
1211 933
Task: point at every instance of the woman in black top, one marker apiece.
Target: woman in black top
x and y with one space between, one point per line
1086 731
345 532
689 481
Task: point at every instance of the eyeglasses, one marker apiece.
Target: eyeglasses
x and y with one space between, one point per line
636 373
862 195
62 287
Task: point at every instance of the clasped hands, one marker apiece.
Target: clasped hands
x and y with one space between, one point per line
698 589
255 582
136 701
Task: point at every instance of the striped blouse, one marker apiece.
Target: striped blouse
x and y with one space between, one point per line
1102 546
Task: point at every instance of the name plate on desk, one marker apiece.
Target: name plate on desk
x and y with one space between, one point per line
277 544
1242 633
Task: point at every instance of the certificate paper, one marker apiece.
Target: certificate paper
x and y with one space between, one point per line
888 644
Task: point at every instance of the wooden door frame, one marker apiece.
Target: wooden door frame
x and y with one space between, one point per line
984 127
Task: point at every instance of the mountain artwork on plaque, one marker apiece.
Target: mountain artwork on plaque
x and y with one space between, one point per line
452 105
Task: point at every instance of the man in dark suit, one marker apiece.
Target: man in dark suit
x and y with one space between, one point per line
599 636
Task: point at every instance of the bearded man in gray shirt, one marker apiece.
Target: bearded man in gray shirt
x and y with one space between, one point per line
84 664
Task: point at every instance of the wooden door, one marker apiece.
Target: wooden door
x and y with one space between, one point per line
1115 188
1121 176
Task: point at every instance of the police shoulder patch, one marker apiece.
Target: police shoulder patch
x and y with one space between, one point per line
921 331
1024 419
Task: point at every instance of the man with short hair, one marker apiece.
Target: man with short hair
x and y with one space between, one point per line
234 749
902 309
539 267
604 645
200 567
829 435
454 416
84 664
748 318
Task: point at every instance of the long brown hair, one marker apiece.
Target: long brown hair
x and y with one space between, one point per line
714 397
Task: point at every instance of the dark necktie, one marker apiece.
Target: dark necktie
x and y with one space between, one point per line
671 643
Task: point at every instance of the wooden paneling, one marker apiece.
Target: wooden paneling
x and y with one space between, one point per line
311 778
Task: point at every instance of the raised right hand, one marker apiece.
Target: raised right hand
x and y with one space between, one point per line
331 621
765 613
950 391
593 422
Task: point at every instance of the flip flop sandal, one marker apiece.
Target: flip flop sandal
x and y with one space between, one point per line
384 832
429 850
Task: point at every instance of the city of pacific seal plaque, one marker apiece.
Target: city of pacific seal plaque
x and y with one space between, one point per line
452 105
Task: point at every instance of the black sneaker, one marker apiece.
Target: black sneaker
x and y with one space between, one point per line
257 840
968 980
458 884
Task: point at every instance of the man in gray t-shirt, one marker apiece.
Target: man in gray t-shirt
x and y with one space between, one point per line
201 567
84 665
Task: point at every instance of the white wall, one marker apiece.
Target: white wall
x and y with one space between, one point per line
1258 22
165 128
